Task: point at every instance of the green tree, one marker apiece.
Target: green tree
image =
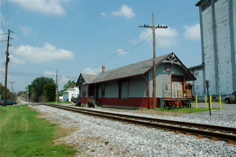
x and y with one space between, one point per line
2 88
37 86
69 84
49 90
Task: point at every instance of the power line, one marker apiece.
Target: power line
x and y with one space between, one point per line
183 21
124 50
34 74
176 23
7 14
4 19
139 43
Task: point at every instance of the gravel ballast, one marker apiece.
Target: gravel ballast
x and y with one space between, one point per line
106 138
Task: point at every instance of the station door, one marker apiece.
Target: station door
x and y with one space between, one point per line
177 89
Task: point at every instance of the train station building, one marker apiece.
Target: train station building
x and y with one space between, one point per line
132 85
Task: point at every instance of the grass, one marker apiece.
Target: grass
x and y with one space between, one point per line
186 110
22 134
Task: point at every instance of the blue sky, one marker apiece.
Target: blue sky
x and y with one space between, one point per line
79 36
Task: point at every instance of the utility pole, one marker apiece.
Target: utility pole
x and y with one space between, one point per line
207 88
57 86
6 70
153 27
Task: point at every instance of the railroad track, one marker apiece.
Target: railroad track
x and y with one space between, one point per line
213 132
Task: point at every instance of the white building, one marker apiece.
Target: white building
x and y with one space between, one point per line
69 93
218 37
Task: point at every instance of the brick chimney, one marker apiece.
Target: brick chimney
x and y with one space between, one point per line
103 68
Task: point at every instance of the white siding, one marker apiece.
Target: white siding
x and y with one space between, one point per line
70 92
162 77
163 80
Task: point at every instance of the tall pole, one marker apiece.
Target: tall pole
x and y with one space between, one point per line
6 70
57 86
207 88
154 57
154 63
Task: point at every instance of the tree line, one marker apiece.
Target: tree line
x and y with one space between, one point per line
43 89
9 95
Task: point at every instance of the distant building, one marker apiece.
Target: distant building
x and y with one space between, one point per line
60 98
69 93
198 84
218 37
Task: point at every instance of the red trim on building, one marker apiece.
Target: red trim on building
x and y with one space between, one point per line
130 102
84 100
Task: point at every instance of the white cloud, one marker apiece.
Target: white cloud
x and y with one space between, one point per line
49 73
121 52
192 32
124 11
63 79
16 60
92 70
52 7
103 14
26 30
164 37
47 53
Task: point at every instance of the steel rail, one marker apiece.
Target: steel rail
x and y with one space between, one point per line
198 125
154 122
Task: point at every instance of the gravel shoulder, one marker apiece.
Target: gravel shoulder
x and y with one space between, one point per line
106 138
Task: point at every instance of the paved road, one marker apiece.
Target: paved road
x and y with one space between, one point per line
22 102
227 109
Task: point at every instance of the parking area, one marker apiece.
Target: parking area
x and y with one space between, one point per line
227 109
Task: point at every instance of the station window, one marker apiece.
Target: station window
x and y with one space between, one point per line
196 73
177 78
167 66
